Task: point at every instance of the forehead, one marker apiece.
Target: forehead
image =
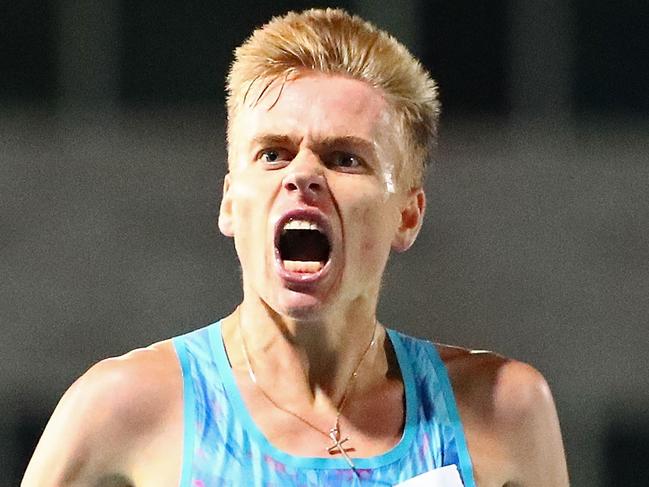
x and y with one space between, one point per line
313 106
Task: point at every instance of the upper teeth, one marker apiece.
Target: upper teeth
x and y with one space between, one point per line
301 225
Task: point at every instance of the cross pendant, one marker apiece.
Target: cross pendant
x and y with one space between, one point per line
337 447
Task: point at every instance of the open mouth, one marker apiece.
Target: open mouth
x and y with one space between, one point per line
303 246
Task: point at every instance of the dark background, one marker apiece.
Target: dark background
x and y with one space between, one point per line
536 242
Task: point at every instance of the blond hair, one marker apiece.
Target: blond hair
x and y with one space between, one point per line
332 41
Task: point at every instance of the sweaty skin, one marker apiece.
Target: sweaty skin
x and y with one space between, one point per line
120 424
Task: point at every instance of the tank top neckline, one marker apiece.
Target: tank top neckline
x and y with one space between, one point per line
243 415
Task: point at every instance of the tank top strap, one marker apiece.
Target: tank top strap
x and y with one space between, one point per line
437 402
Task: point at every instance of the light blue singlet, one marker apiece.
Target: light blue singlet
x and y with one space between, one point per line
224 447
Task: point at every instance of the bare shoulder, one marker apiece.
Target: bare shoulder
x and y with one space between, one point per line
107 415
509 416
139 384
514 388
135 389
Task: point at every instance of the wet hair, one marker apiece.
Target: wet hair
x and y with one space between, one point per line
331 41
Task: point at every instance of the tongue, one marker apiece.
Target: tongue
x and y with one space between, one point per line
304 266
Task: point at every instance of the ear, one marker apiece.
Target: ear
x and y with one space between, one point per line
225 211
412 216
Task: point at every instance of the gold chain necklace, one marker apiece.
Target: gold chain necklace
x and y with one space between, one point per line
334 432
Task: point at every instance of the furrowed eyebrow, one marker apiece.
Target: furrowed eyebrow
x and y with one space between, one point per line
351 143
266 140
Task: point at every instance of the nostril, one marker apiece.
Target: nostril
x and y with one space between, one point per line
302 182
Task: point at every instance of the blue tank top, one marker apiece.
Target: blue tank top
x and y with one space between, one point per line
222 445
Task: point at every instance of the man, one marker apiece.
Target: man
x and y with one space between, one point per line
330 122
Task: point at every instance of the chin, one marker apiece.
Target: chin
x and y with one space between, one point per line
300 306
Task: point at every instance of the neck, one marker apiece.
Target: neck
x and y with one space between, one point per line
314 357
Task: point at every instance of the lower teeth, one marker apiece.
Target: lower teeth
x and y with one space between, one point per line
305 266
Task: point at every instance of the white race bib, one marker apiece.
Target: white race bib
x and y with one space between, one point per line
440 477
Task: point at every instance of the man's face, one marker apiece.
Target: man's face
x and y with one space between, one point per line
311 199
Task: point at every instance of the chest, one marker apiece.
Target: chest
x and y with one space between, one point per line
370 424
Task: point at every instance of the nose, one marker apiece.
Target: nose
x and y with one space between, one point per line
306 179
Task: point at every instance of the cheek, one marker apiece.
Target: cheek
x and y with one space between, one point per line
248 202
373 223
250 216
243 207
